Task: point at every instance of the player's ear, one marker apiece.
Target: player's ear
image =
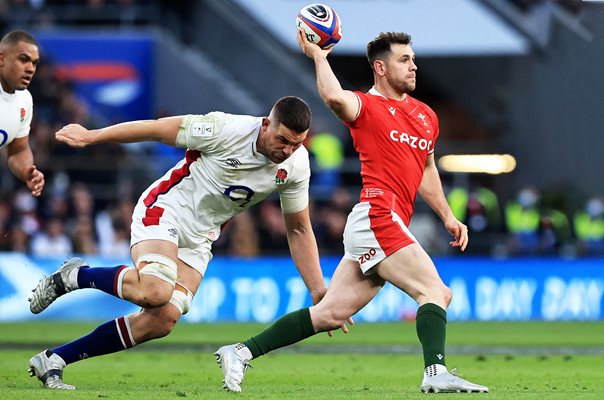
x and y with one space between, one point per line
379 67
266 122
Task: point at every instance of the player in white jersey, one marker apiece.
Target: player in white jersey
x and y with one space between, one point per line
232 162
19 57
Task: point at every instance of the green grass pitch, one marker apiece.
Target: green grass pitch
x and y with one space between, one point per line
528 360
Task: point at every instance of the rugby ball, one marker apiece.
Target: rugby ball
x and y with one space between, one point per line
321 24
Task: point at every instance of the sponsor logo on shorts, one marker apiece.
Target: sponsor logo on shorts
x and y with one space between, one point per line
367 256
173 232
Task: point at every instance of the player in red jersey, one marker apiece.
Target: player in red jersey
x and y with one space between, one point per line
394 135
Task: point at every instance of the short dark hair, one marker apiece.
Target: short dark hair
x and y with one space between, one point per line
14 37
293 112
380 46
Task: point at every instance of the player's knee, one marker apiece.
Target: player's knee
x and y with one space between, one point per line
160 272
447 296
181 299
327 319
159 326
164 327
156 296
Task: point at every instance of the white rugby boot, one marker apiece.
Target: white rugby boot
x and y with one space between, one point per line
233 366
49 370
52 287
448 382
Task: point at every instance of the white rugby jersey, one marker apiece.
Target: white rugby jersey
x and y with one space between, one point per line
223 174
16 110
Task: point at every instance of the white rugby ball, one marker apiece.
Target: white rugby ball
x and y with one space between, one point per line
321 24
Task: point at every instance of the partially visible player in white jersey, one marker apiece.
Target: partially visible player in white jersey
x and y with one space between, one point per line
19 57
232 162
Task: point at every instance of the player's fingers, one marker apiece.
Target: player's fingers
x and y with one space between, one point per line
301 38
350 321
60 136
344 328
464 241
330 333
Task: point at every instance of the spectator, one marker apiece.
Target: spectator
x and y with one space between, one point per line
244 239
332 220
589 227
479 209
328 153
83 236
555 231
52 242
18 239
271 227
522 219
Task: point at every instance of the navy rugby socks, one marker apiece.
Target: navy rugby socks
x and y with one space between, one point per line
109 280
110 337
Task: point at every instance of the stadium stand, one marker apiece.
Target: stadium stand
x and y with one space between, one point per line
90 193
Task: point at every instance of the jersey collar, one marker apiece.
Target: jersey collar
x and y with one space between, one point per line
373 91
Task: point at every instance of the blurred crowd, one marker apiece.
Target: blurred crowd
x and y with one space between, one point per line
90 194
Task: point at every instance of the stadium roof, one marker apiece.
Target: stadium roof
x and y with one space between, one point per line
438 27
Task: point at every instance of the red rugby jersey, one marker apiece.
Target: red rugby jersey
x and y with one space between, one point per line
393 139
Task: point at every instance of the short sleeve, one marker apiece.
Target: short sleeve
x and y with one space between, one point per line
361 98
26 114
294 196
201 132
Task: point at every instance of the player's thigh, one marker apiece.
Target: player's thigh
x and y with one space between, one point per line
349 290
411 269
154 246
188 277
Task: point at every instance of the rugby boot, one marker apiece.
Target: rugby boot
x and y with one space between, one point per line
233 366
49 370
52 287
450 382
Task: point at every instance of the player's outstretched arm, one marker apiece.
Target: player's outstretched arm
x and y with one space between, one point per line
163 130
343 103
431 190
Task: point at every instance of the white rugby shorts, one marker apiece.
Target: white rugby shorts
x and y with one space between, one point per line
160 222
373 232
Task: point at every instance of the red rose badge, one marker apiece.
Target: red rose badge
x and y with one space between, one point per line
281 176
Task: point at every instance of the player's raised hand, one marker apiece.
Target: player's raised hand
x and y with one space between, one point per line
309 48
73 135
35 181
459 231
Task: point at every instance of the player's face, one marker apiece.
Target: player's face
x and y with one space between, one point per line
18 65
401 68
281 142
